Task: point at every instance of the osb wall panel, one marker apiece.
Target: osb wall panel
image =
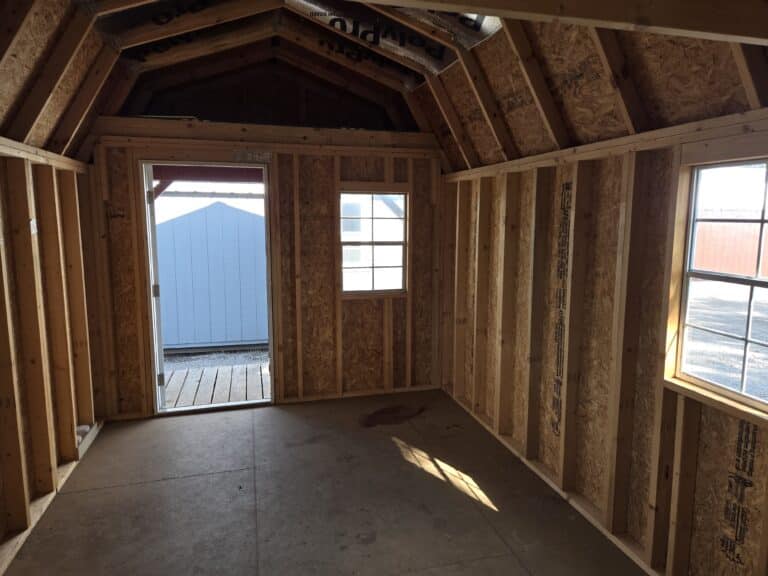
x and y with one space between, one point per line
683 79
399 328
122 238
362 168
520 288
317 198
502 69
362 345
421 290
468 108
729 507
65 91
439 127
289 377
575 76
33 41
596 382
555 294
652 200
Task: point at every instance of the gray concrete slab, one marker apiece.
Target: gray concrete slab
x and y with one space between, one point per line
431 494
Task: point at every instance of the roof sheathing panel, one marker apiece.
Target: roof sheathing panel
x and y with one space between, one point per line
683 79
468 108
575 76
502 68
33 41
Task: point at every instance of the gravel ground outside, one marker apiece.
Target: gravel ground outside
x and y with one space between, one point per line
174 361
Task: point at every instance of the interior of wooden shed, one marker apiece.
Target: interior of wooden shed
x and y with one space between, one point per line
517 406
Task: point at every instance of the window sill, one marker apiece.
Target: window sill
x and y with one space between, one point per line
736 408
374 294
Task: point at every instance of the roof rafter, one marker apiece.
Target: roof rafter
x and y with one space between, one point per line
402 60
191 21
264 26
487 101
69 123
489 106
752 64
742 21
77 27
537 84
630 106
107 7
465 145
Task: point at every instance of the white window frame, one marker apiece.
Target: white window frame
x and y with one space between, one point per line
753 282
405 244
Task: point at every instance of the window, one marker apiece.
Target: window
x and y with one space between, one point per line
725 338
373 241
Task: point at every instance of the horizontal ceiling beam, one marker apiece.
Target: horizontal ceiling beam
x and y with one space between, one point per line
736 21
160 29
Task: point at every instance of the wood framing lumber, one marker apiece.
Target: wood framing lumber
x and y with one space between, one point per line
752 64
628 102
451 117
444 37
57 308
743 21
53 69
683 485
581 223
12 442
69 124
107 7
318 41
33 339
488 104
72 247
374 47
460 335
211 15
259 28
625 327
537 83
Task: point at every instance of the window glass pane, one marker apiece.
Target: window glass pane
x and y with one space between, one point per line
764 264
356 256
357 279
757 371
389 206
731 191
388 255
718 306
388 230
760 315
355 205
713 357
355 230
387 278
726 248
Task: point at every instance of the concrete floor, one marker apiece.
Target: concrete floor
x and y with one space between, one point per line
307 489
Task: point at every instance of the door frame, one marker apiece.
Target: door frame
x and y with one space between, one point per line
149 237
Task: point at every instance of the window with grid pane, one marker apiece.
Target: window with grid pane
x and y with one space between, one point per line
725 339
373 241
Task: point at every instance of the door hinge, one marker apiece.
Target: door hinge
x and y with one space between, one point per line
150 196
155 290
161 380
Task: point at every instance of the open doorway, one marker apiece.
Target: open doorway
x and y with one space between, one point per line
207 227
